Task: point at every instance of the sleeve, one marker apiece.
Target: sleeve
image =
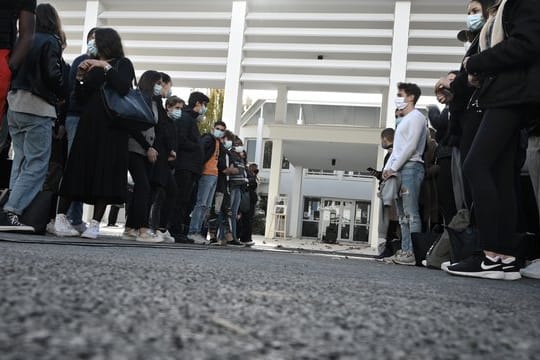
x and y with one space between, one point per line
140 139
120 77
520 48
185 128
53 61
28 5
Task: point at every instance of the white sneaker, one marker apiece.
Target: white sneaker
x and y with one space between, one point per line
198 239
92 231
149 237
532 270
166 236
62 227
129 234
81 228
50 227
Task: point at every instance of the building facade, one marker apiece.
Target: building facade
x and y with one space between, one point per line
357 48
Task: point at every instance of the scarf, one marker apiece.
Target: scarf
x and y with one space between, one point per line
493 32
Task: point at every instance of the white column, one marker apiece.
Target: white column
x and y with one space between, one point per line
398 64
91 18
259 146
375 205
232 106
281 105
296 203
273 185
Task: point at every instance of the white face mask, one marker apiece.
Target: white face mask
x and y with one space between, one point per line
91 48
400 103
203 109
228 144
176 114
218 133
157 89
239 149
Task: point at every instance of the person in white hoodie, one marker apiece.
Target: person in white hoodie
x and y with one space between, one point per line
407 163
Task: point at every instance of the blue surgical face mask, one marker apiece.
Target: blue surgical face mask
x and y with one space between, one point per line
203 109
475 22
228 144
398 120
218 133
176 114
169 93
91 48
157 89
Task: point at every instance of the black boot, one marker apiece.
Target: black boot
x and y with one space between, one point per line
387 252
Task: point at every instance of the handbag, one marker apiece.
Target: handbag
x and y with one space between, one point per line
463 236
130 111
422 242
245 202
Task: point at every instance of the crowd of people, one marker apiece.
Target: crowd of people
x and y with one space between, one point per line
186 187
486 136
183 186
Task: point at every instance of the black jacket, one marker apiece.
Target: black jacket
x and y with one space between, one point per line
41 73
189 155
511 69
208 144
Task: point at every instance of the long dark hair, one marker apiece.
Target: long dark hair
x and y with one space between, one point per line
109 44
147 81
47 20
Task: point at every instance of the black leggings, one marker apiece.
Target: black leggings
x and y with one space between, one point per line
139 168
491 172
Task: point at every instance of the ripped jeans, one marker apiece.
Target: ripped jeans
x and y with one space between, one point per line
412 175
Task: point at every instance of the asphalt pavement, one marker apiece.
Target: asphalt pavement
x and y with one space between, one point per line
92 301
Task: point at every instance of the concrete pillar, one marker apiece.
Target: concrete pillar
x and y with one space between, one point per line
91 20
259 146
281 105
273 185
398 63
398 73
375 205
296 203
232 105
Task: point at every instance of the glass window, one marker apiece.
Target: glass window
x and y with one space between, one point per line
267 157
251 149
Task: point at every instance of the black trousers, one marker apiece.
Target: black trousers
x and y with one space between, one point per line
469 124
491 172
447 204
246 221
139 168
185 181
162 204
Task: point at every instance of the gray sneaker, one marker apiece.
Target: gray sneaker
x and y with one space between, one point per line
405 258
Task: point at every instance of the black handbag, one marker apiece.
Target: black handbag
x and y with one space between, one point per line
462 243
131 111
421 243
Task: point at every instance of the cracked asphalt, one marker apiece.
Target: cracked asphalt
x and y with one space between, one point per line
91 302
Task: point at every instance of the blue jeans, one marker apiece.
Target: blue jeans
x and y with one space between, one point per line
236 196
31 138
205 195
75 211
412 175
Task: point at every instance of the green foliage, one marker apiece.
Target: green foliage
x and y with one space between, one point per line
214 111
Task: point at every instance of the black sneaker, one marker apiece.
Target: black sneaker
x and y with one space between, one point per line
10 222
387 252
511 269
235 243
248 243
480 266
182 239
